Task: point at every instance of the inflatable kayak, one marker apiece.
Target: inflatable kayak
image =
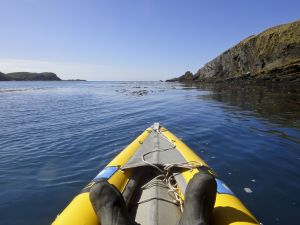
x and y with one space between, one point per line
152 173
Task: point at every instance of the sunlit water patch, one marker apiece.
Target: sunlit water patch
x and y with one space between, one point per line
56 136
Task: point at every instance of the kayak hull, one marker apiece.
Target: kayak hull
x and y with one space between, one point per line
228 208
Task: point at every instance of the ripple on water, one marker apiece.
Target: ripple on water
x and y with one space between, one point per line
55 137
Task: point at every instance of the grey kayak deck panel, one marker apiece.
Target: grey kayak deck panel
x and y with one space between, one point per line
155 206
156 149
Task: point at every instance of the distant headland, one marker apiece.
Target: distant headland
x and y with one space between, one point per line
272 56
28 76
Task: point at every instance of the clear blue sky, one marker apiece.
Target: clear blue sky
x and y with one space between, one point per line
128 39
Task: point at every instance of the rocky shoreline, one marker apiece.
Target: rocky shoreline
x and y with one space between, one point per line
271 57
27 76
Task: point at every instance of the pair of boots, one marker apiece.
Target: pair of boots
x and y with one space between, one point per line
200 195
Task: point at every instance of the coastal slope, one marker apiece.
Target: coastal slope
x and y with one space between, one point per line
273 55
3 77
27 76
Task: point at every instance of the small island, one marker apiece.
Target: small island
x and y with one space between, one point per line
28 76
75 80
272 56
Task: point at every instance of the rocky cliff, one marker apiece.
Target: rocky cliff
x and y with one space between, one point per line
273 55
26 76
187 76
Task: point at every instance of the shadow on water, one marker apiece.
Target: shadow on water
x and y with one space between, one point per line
56 136
279 105
258 139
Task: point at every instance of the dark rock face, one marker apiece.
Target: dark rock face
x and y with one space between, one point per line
273 55
188 76
3 77
26 76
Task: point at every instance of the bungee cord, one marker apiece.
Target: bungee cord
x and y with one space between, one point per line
166 176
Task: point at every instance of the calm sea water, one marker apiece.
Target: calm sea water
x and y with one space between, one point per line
56 136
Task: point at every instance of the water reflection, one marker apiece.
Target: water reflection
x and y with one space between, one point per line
279 105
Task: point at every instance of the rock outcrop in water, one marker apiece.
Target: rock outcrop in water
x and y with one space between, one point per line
27 76
271 56
187 76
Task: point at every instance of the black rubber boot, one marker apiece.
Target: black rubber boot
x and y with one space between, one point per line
109 205
200 196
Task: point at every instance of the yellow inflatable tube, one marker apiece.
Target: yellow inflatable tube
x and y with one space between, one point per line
228 208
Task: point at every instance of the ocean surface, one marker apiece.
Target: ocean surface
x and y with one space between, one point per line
56 136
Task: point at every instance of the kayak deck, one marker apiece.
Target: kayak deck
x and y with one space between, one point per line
153 204
135 173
